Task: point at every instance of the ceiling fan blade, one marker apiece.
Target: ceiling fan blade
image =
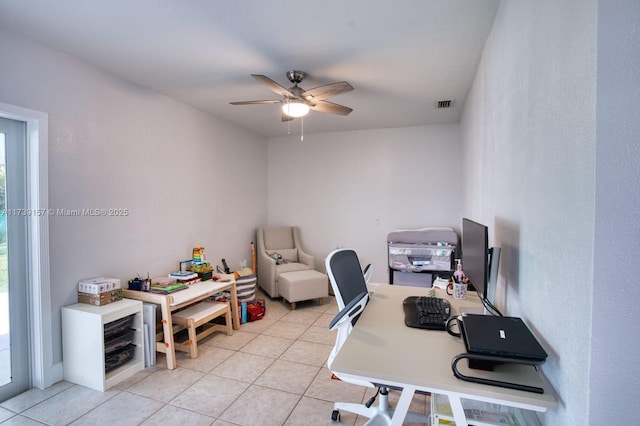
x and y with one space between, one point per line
331 108
256 102
272 85
327 91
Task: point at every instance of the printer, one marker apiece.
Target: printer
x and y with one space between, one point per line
415 254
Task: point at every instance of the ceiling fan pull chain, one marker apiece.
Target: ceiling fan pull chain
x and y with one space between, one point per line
301 129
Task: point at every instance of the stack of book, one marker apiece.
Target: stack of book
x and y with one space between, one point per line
185 277
99 291
166 285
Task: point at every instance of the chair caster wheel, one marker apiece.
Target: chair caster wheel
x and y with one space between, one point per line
335 416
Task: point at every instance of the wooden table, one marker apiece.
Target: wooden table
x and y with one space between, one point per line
171 302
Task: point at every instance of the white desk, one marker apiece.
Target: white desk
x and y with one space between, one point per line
170 302
380 348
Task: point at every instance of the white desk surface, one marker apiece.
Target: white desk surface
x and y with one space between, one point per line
382 349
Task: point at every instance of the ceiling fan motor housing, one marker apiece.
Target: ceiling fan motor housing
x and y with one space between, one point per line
295 76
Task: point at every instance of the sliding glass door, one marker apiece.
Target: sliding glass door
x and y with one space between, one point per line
14 347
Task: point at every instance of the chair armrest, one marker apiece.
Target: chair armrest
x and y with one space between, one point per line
367 272
350 312
267 273
303 257
306 258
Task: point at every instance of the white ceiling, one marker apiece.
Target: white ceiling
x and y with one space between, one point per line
401 56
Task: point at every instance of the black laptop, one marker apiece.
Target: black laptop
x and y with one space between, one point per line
507 337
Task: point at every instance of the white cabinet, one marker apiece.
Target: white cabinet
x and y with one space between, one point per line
102 345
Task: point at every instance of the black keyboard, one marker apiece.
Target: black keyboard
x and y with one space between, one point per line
426 312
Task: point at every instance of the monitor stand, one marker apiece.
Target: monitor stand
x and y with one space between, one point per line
492 279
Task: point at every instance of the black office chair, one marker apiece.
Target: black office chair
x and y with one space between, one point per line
350 288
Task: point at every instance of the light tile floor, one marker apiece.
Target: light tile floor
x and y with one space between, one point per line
270 372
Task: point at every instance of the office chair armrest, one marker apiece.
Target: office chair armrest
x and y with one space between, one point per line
367 272
349 312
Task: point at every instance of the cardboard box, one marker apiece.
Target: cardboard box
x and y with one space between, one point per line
100 299
98 285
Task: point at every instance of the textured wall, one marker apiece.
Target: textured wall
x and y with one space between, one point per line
184 177
528 144
350 189
615 383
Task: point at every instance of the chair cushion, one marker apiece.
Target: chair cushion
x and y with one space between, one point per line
278 238
290 267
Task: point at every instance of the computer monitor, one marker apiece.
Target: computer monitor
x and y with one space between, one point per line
479 262
475 254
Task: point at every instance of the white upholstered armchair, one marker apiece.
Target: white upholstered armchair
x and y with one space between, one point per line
285 242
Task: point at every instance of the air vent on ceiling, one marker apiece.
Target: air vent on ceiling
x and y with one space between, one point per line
448 103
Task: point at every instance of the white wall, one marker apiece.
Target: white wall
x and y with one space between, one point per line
615 383
528 143
185 177
337 186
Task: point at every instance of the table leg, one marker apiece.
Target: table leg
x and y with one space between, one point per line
167 328
458 412
234 307
400 412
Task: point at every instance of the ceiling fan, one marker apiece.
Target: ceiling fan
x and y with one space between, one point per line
296 102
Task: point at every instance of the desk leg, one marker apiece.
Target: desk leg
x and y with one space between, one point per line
458 412
400 412
167 328
234 308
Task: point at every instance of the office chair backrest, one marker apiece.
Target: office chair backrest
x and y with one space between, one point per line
347 281
345 274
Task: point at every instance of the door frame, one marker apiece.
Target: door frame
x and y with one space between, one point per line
43 372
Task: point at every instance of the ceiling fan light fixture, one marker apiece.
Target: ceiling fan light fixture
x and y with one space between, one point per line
295 108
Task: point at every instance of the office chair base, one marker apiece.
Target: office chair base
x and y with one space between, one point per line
351 407
379 419
377 415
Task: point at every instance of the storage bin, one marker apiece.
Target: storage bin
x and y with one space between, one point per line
420 257
119 357
205 276
117 343
246 288
117 327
